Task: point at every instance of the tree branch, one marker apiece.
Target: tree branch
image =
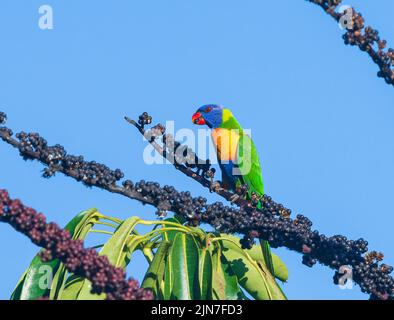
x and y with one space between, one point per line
365 38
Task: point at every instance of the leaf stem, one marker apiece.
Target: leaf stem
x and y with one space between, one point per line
102 232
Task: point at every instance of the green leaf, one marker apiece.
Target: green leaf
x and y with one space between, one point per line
37 280
184 268
167 284
160 284
115 248
254 277
178 218
205 274
168 279
16 294
224 281
79 228
116 251
72 288
154 275
170 235
281 271
267 255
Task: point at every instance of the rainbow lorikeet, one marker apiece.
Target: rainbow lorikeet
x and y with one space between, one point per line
237 156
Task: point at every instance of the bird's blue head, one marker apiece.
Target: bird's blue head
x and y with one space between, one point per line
210 114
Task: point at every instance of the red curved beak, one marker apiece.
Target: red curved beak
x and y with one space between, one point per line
198 119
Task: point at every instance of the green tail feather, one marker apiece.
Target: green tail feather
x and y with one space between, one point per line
265 247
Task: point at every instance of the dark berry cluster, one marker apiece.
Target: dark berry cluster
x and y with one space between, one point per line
374 256
34 147
58 244
182 155
366 38
3 118
144 119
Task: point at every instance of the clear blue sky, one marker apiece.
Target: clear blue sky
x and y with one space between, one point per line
321 119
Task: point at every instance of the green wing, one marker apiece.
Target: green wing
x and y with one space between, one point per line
249 165
250 169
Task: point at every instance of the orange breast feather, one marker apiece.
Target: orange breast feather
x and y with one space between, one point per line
226 143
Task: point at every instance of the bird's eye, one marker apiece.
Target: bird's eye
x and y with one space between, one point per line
208 109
